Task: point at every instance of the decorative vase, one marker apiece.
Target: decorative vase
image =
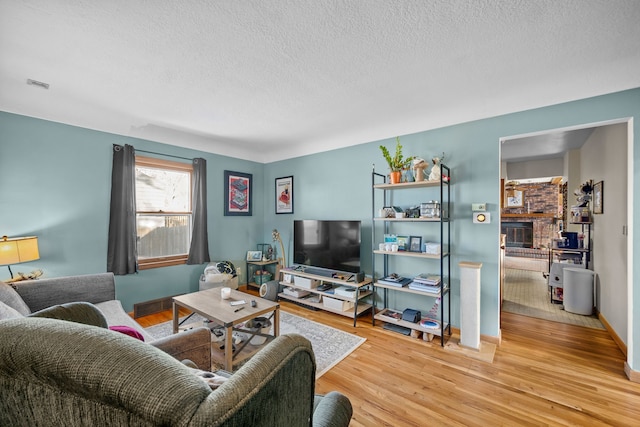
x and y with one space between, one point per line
408 175
395 177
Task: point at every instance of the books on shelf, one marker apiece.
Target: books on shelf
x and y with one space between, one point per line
426 282
395 280
431 289
427 278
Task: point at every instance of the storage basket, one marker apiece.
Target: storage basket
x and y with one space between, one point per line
261 277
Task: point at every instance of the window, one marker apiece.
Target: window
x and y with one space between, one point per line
163 212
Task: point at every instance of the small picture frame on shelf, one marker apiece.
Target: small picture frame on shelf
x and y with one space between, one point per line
598 197
403 243
254 255
415 244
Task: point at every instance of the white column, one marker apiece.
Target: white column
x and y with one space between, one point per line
470 304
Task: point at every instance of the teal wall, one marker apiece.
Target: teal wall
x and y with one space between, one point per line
337 184
55 181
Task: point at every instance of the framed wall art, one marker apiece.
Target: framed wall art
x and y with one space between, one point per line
514 199
284 195
254 255
598 197
237 193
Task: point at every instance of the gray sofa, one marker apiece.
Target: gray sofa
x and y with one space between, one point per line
55 372
100 290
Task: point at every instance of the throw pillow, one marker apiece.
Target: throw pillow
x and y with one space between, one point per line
127 330
7 312
9 296
79 312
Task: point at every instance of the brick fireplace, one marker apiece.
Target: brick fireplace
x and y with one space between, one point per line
538 218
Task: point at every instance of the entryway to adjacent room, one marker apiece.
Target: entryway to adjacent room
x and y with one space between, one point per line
537 194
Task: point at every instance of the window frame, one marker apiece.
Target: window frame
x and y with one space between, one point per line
151 162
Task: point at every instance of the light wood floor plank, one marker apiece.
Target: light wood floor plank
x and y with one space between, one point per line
543 373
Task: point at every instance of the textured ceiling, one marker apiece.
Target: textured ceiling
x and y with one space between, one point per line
268 80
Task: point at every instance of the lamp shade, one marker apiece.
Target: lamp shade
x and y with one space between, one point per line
18 249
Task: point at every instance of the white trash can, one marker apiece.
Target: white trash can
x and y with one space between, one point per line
578 290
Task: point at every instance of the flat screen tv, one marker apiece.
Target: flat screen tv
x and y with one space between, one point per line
327 246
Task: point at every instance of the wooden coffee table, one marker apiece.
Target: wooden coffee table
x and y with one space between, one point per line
209 304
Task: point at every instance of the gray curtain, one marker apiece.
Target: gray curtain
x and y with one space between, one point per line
199 250
122 251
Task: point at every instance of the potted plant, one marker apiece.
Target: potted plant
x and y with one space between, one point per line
396 163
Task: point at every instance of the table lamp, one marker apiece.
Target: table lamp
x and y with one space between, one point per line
17 250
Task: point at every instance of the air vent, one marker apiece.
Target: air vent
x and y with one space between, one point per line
43 85
152 307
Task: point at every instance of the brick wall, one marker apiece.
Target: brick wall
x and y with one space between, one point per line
539 199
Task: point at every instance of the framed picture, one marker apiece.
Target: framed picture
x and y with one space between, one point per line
598 197
403 243
254 255
514 199
415 244
284 195
237 193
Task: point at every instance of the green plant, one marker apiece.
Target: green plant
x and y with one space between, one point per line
397 162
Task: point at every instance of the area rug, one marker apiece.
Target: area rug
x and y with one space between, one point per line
330 345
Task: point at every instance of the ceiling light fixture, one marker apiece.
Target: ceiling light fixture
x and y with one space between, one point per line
43 85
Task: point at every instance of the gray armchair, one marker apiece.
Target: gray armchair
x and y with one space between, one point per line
55 372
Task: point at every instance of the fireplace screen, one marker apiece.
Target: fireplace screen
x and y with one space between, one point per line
519 234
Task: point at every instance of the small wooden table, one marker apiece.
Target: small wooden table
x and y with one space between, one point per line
209 304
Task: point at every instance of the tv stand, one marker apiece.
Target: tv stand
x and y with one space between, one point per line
327 300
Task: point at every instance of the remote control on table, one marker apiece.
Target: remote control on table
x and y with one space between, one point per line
237 302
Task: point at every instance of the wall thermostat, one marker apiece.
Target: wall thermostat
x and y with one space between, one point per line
481 218
478 207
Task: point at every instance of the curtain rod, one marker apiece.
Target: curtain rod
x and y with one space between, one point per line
162 154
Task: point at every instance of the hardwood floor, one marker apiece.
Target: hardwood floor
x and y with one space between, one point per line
543 373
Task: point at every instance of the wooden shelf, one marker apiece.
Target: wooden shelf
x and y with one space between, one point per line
362 307
411 219
412 254
411 291
334 280
410 325
247 352
415 184
530 215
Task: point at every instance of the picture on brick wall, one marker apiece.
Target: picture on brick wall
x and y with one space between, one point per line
514 198
284 195
237 193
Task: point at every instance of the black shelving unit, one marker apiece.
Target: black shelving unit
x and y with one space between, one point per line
381 197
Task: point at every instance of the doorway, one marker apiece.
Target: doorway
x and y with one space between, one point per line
595 152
